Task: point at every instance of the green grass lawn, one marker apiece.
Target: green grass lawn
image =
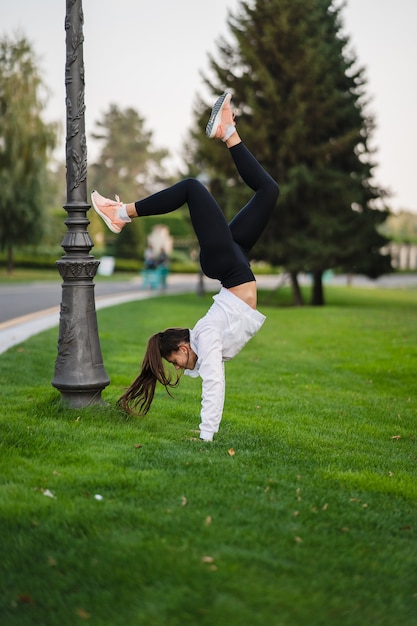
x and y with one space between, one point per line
303 510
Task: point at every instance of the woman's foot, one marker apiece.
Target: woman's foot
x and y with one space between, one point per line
221 124
109 211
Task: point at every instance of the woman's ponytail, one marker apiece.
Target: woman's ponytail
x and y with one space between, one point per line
138 397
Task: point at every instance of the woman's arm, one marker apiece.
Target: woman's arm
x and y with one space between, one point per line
213 386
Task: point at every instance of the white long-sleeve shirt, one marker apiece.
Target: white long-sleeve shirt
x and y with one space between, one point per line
216 338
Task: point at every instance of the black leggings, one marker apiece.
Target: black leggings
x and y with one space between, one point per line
224 247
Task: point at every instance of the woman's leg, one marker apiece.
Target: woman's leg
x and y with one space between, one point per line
219 254
208 221
247 226
222 247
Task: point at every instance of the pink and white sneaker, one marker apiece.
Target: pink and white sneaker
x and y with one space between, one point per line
108 210
221 124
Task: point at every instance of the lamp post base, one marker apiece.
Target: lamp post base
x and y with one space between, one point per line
79 370
81 399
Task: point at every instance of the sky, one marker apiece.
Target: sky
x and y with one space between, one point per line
150 54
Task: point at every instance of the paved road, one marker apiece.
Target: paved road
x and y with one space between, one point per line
18 300
26 310
23 299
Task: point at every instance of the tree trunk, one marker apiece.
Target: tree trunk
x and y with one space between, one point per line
297 296
317 295
9 259
201 291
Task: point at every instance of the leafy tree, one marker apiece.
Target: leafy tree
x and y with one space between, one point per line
129 164
302 96
402 227
25 143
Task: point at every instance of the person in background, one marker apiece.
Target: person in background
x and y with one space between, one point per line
149 258
162 259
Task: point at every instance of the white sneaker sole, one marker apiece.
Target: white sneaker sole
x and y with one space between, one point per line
216 114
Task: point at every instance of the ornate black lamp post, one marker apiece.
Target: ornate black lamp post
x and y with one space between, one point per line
79 371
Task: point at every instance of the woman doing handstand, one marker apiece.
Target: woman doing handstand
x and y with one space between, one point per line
233 319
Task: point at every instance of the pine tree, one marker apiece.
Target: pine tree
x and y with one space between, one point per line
302 102
127 160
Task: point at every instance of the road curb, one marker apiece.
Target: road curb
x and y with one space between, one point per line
17 330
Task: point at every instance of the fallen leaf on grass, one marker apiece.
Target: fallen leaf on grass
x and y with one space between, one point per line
396 437
83 613
231 452
207 559
138 445
208 520
51 561
183 501
298 540
25 598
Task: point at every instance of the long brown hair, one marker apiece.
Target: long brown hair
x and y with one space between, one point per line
138 397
